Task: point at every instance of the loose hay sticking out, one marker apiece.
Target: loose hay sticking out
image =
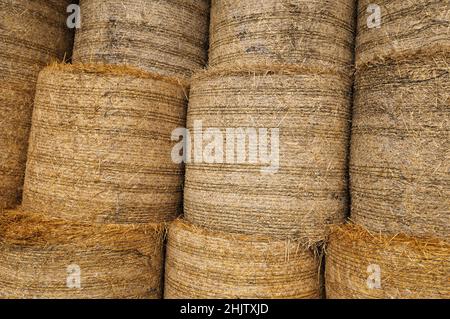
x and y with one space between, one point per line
31 34
273 31
212 264
100 146
360 264
406 27
41 258
306 191
168 37
400 161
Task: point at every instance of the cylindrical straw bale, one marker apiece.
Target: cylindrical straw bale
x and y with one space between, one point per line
273 148
400 158
210 264
31 34
389 28
361 265
100 145
167 37
50 258
288 31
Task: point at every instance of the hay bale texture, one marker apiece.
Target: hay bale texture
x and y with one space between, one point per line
307 192
288 31
168 37
115 261
100 146
31 34
400 173
208 264
408 267
406 26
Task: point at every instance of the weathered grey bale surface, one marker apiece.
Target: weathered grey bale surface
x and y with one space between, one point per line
100 146
406 27
307 192
41 258
168 37
361 264
400 173
287 31
209 264
31 34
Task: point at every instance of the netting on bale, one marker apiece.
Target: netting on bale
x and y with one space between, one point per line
272 152
396 27
201 263
100 146
168 37
50 258
31 34
363 264
400 173
288 31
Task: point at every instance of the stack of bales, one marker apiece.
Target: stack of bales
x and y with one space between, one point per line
32 33
100 183
279 69
400 174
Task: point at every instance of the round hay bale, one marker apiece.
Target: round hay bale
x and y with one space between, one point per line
100 145
31 34
288 31
361 265
400 173
167 37
306 116
50 258
209 264
405 27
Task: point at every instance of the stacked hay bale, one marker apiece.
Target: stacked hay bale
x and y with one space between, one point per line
100 181
399 159
32 33
266 148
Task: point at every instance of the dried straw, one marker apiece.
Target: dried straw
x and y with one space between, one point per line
406 27
310 107
31 34
168 37
400 161
209 264
289 31
409 267
116 261
100 146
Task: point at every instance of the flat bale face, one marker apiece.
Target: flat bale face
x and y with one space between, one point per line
400 147
361 265
297 195
288 31
404 27
207 264
32 33
100 147
167 37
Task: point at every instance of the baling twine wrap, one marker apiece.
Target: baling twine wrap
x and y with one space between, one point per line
31 34
100 146
211 264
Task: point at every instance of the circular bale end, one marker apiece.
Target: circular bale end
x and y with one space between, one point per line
32 33
210 264
361 265
389 28
50 258
100 145
400 173
168 37
272 31
273 142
